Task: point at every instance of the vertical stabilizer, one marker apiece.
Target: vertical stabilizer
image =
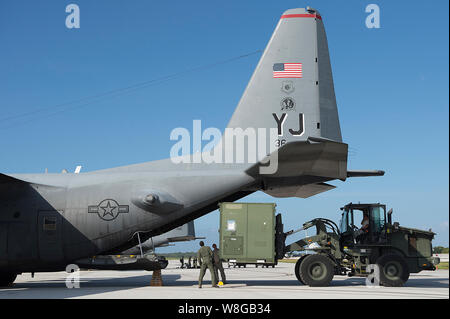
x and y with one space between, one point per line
292 87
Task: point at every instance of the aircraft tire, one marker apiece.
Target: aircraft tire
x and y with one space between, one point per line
317 270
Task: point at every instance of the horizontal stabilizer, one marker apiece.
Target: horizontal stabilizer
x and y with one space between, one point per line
304 191
314 157
365 173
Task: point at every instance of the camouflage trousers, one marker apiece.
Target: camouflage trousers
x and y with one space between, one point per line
202 273
218 267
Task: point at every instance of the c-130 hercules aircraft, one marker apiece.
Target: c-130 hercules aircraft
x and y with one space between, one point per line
48 221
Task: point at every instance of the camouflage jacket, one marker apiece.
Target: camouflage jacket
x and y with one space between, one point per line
205 255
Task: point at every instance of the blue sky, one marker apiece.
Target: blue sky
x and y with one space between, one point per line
391 88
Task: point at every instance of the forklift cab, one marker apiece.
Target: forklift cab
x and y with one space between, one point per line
363 224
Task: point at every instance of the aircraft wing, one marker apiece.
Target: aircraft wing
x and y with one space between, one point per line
185 232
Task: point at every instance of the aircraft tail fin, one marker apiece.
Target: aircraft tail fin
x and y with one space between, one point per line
292 86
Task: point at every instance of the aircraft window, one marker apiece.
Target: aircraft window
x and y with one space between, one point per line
49 223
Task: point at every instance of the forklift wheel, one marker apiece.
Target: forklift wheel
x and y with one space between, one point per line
394 271
317 270
297 269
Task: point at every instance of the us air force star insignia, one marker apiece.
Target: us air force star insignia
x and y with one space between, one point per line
108 209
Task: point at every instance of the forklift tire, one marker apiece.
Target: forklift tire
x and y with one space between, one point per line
297 269
394 271
7 279
317 270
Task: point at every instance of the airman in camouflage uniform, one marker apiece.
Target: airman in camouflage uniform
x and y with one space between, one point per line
204 257
218 264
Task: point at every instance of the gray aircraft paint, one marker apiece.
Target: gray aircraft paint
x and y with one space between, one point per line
73 202
183 233
295 40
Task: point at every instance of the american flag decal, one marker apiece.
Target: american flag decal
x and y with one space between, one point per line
287 70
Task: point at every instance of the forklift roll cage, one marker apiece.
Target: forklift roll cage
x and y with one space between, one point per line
377 226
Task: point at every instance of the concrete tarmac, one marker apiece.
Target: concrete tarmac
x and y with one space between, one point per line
249 283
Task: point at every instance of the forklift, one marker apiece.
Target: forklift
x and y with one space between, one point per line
374 246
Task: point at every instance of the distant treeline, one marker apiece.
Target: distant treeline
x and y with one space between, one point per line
440 250
180 254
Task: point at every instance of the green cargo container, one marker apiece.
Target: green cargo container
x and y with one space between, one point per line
247 233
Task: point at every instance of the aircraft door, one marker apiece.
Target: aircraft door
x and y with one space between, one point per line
50 236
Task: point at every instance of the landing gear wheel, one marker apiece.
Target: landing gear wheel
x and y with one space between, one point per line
7 279
394 271
297 269
317 270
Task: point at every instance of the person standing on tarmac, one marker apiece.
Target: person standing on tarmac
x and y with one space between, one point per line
182 262
218 264
204 257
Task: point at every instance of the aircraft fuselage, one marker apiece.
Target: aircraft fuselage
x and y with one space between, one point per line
46 225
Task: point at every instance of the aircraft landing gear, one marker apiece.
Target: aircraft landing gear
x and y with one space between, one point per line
7 278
